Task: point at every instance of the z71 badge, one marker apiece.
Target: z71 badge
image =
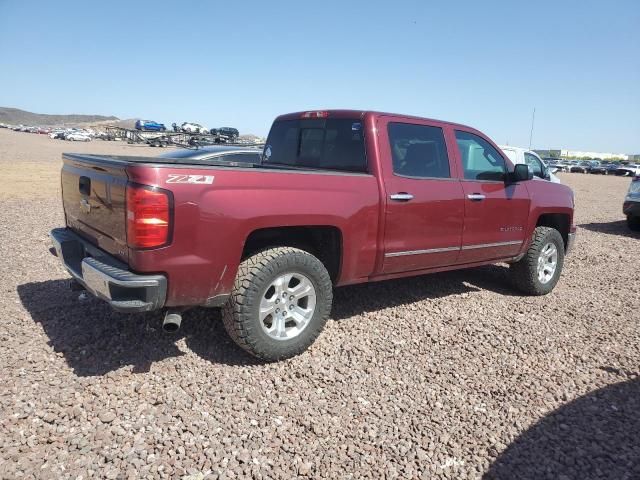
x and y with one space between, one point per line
190 179
511 229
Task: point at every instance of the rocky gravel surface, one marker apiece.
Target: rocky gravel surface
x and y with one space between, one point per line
445 376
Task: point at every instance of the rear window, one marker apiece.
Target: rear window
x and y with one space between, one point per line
327 144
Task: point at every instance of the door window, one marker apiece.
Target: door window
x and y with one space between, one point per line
418 151
480 161
534 165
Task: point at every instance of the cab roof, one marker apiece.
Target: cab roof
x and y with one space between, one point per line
346 113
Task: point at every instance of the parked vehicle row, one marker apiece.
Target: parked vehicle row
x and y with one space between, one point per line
28 129
599 167
223 134
71 134
229 133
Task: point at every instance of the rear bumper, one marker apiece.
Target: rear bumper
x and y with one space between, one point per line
106 277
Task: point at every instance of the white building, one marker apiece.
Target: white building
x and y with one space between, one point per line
600 155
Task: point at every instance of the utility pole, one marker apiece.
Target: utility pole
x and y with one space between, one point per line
532 120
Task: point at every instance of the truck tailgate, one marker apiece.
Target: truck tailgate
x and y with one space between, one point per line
93 197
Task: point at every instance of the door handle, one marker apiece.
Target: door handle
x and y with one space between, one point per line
476 197
401 197
84 185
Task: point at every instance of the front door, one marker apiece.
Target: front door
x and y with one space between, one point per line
424 209
496 213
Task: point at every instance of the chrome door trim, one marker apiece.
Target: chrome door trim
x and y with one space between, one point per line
421 252
490 245
452 249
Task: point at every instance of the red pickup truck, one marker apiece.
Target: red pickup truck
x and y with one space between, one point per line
338 197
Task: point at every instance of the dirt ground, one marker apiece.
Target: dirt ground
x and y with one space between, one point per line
452 375
31 163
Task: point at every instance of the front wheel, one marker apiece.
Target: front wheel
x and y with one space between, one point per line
280 303
538 272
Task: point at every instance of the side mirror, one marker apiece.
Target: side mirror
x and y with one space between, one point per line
521 173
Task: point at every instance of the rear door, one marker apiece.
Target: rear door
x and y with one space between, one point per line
424 208
495 212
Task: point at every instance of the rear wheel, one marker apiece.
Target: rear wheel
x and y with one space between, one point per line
279 304
537 273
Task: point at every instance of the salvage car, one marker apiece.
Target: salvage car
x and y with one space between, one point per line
581 167
630 169
77 137
611 168
563 166
230 133
631 206
339 197
187 127
598 168
150 126
528 157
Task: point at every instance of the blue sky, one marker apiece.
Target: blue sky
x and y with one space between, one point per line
241 63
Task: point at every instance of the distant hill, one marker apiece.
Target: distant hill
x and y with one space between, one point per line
15 116
129 123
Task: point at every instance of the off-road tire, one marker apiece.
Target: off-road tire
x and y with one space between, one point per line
255 274
524 273
633 223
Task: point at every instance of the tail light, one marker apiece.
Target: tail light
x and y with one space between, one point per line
148 216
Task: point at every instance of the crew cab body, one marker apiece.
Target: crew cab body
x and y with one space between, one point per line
372 195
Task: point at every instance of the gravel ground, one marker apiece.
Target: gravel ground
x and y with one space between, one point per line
445 376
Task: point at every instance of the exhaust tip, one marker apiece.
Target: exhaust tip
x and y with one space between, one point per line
172 322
